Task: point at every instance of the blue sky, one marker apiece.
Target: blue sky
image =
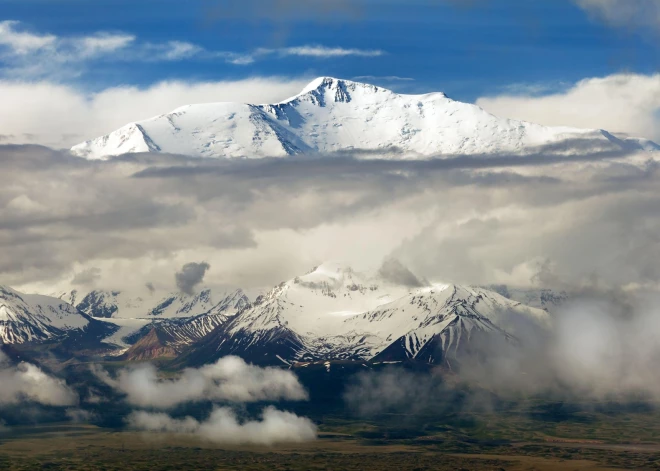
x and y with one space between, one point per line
466 48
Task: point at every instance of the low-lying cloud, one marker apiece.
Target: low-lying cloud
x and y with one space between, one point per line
602 345
27 382
223 426
230 379
33 114
620 103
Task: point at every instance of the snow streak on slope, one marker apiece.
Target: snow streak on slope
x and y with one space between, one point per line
183 319
32 317
118 304
333 115
335 313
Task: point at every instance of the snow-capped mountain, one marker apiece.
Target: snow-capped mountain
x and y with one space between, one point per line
32 317
332 115
334 313
179 318
107 304
124 305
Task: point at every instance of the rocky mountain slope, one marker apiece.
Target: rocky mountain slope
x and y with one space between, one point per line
177 317
333 115
31 317
335 313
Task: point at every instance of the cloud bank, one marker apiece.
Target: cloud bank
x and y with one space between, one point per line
472 219
622 103
33 112
222 426
230 379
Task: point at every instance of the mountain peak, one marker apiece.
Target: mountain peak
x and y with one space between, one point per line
330 89
335 115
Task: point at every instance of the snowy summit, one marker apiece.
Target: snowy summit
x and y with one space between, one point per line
333 115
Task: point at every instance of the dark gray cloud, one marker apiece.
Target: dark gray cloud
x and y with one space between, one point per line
395 272
471 219
191 275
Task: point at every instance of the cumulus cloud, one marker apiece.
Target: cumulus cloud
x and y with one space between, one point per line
27 382
622 103
191 275
222 426
628 13
230 379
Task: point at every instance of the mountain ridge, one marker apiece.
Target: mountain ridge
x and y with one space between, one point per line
334 115
335 313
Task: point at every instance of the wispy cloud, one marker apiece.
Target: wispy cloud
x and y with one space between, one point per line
626 13
23 42
319 51
28 54
312 51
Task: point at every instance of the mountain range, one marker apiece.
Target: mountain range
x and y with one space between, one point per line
332 313
337 116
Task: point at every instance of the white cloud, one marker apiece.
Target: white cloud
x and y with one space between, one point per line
622 103
623 12
102 43
177 50
229 379
28 55
22 42
224 427
315 51
61 116
27 382
319 51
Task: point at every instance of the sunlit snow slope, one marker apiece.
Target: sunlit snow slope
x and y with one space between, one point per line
334 312
333 115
